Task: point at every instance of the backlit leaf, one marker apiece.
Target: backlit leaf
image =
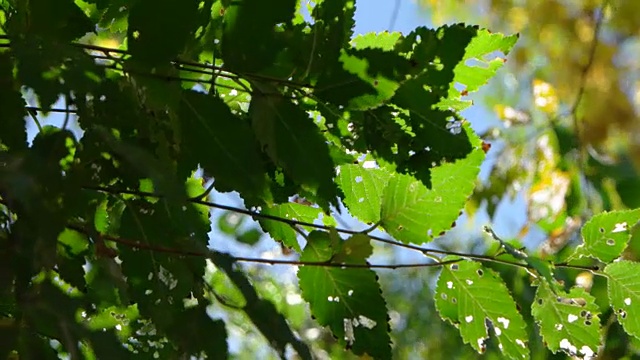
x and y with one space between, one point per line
283 232
623 284
474 298
607 234
412 213
568 321
363 189
481 46
349 301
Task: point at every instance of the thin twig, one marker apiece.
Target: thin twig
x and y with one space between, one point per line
57 110
169 250
35 119
206 192
291 222
394 15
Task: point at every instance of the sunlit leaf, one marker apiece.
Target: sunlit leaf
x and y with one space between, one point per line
363 189
349 301
568 321
623 284
412 213
283 232
607 234
476 70
474 298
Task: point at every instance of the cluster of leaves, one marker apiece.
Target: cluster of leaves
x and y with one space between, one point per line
104 227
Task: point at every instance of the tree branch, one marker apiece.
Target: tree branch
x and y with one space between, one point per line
211 253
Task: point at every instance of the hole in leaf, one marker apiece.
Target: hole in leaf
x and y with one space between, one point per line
611 242
454 267
454 300
622 313
480 272
602 230
587 322
583 313
443 296
539 301
358 179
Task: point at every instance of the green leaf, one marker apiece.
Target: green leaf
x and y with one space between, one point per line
358 246
61 21
412 213
159 281
249 237
145 165
222 144
198 332
283 232
383 40
607 234
13 132
363 189
377 68
568 321
250 42
349 301
158 29
369 75
483 44
332 31
470 297
293 142
229 222
623 285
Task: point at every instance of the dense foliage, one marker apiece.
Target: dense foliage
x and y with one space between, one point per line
105 221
